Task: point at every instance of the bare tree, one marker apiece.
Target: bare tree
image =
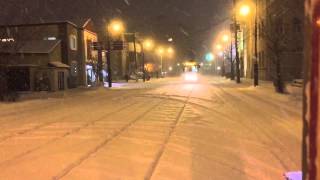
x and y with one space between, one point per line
279 36
276 39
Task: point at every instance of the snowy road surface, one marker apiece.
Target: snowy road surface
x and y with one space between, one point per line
169 129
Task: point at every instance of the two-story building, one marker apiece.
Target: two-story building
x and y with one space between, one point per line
50 55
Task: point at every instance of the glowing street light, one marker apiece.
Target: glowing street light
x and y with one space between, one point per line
244 10
160 51
116 27
148 44
218 47
170 50
225 38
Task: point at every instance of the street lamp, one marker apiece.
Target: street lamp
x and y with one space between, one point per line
218 47
235 28
160 52
114 28
245 11
225 38
170 51
148 44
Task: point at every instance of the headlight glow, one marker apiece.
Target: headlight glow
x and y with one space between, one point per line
191 77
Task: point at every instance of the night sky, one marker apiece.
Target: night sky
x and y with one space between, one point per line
192 23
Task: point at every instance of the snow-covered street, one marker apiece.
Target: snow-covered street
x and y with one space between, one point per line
164 129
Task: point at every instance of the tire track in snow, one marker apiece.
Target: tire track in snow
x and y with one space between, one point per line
172 97
36 108
31 111
261 130
43 125
159 154
66 134
105 142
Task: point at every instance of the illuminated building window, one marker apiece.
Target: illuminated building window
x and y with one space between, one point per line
50 38
73 42
6 40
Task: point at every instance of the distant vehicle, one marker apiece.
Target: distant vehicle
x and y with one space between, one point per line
191 70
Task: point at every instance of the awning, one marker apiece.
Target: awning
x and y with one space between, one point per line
58 64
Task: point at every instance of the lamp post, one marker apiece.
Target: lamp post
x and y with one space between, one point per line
256 65
235 27
115 28
143 63
147 45
231 61
226 38
160 52
245 11
220 55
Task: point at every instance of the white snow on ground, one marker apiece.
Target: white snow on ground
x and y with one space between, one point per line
163 129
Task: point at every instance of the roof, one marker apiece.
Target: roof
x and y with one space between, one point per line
76 22
58 64
29 47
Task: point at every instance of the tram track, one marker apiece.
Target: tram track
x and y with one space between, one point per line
61 119
103 143
66 134
5 120
164 145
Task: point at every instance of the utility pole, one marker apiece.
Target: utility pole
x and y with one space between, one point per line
109 61
223 70
135 54
100 63
161 60
256 65
236 43
231 61
143 63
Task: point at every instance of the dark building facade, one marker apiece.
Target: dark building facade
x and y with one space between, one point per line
280 38
58 52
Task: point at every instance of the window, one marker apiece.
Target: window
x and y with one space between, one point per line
5 40
73 42
89 49
50 38
297 25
